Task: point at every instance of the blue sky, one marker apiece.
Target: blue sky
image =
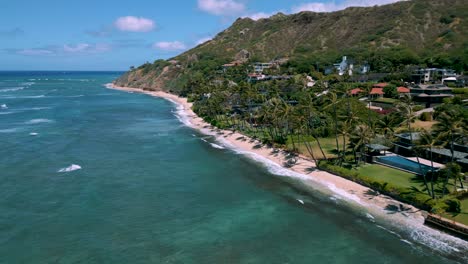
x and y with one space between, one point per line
113 35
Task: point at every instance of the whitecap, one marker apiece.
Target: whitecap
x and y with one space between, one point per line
11 89
24 97
217 146
109 85
33 134
406 241
9 130
300 201
70 168
38 121
3 106
371 217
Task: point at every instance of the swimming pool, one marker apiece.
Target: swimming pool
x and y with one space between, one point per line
404 164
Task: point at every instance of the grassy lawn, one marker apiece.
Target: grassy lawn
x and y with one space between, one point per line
461 217
328 145
386 100
392 176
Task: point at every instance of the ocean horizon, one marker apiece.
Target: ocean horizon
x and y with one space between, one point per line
95 175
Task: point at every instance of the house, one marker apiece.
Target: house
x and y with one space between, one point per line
403 90
256 77
430 94
405 142
343 66
310 81
429 75
376 93
356 92
380 85
260 66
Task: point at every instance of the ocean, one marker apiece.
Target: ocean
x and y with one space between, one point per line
94 175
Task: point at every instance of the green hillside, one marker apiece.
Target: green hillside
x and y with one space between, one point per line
432 33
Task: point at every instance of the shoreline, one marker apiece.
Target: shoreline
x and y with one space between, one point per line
355 191
374 205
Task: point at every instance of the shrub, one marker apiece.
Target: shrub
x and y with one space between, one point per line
426 117
453 205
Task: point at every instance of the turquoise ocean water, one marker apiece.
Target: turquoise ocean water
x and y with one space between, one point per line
92 175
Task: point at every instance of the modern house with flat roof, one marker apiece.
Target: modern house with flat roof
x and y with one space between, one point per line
430 75
430 94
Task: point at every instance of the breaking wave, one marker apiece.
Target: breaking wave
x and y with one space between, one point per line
38 121
70 168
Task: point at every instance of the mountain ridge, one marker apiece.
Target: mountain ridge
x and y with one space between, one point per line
433 33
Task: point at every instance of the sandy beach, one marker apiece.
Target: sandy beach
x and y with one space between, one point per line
350 190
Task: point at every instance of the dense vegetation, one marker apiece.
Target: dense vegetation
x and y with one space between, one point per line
324 122
389 38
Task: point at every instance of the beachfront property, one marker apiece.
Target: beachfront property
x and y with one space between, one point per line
405 143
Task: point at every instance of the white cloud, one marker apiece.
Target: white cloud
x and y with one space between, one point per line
203 40
35 52
134 24
169 46
86 48
81 48
330 7
221 7
77 48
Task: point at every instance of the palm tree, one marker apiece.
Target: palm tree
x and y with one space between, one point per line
333 102
406 106
450 126
429 141
359 138
386 125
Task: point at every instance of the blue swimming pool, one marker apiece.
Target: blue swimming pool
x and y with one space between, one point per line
404 164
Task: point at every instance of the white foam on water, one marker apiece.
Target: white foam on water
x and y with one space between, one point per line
33 134
371 217
300 201
70 168
3 106
38 121
109 85
419 233
6 113
217 146
9 130
344 194
406 241
27 83
12 89
24 97
74 96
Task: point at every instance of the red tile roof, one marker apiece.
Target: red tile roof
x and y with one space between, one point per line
378 91
355 91
380 85
402 89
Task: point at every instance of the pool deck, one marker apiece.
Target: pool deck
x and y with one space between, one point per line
421 160
426 162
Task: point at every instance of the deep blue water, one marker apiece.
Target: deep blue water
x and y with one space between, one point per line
151 191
